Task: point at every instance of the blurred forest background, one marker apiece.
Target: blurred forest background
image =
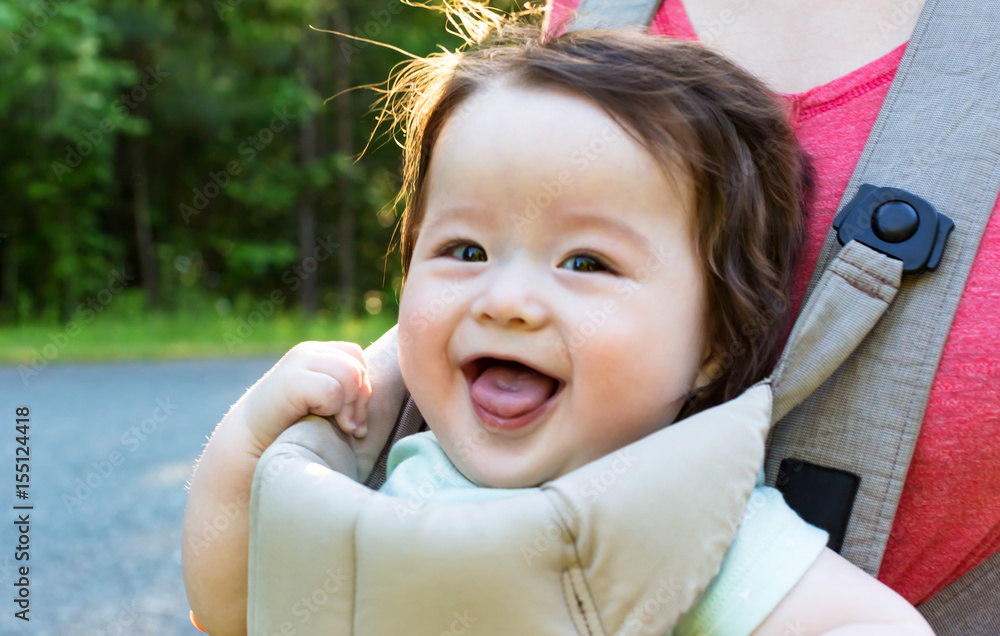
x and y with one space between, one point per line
173 183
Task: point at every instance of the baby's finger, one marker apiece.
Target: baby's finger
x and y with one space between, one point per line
351 348
361 403
365 387
353 378
345 420
326 396
319 393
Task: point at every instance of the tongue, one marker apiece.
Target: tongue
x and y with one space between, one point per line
510 389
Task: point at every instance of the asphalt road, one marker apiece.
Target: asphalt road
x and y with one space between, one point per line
111 449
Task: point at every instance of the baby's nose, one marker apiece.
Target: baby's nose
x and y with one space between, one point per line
511 298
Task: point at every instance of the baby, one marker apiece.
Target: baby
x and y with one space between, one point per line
599 233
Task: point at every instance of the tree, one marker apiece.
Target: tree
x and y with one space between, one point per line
188 143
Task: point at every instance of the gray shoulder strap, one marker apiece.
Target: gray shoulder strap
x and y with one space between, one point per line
969 605
938 136
613 14
408 422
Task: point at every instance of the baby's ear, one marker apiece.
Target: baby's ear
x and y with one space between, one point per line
710 369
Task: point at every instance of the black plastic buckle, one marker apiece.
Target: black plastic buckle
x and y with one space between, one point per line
897 223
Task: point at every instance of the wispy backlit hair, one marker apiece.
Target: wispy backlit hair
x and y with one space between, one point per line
690 108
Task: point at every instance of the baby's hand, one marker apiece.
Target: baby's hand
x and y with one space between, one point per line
323 378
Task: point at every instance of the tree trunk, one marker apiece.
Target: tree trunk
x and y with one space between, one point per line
143 226
8 281
345 125
307 200
68 264
148 270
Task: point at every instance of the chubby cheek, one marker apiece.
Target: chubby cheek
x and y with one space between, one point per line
625 391
425 330
638 367
409 335
421 338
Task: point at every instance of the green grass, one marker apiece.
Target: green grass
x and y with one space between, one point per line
193 335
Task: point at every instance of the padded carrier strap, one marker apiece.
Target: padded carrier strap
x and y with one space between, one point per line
410 421
938 136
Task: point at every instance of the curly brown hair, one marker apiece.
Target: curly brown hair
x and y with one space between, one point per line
687 106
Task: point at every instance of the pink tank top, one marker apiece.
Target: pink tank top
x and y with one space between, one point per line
948 519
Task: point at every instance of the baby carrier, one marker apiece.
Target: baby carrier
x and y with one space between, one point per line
330 556
584 555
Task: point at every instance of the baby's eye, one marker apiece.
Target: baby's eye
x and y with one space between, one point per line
468 253
584 263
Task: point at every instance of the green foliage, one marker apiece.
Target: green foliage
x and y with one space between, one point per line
190 112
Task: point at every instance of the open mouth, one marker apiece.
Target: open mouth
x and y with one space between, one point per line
507 394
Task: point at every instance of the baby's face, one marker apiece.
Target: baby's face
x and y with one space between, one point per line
552 239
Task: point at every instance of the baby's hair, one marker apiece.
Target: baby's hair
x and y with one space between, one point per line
689 108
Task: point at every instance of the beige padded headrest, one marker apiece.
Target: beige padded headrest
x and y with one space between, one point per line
587 554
